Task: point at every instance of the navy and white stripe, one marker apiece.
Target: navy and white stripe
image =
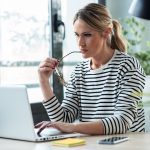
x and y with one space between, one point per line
111 94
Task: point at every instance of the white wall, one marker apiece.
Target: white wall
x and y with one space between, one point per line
118 8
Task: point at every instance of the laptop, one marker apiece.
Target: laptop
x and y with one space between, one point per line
16 121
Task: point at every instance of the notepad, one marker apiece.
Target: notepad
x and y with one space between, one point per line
69 142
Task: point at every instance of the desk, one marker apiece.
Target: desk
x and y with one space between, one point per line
140 141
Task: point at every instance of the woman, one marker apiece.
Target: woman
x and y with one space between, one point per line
105 90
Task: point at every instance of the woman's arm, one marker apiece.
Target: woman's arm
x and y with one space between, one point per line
91 128
68 110
127 114
46 90
45 70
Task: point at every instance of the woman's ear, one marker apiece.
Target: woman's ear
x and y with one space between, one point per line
106 33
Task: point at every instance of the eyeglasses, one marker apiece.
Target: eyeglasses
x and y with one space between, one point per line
59 73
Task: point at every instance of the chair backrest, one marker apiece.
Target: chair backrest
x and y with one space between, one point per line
39 113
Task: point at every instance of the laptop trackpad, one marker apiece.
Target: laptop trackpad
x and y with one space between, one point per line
50 131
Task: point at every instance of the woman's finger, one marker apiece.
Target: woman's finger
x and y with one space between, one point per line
50 63
39 124
43 126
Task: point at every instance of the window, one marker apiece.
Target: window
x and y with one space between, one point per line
24 42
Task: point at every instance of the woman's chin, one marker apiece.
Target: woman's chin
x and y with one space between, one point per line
85 56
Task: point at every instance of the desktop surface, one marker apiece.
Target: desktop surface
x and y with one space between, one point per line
137 141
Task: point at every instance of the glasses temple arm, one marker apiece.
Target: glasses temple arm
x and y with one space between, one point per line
67 55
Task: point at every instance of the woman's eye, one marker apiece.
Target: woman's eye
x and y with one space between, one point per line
87 34
83 35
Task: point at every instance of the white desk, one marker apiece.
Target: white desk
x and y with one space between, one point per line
139 141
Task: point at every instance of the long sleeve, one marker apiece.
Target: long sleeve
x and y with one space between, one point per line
128 102
67 112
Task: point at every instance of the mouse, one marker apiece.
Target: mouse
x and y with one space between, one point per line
50 131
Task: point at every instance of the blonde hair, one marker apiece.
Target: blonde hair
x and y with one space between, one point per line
98 17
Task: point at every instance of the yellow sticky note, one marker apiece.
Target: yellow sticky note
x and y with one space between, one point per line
69 142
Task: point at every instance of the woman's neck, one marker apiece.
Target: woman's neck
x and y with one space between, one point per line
101 59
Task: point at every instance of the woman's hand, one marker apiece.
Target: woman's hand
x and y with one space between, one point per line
46 68
64 127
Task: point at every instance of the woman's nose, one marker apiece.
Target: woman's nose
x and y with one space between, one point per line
81 41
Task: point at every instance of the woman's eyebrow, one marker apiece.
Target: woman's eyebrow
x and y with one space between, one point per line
87 32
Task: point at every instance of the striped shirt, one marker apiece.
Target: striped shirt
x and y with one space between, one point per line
112 94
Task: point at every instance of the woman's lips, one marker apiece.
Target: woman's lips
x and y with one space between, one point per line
83 50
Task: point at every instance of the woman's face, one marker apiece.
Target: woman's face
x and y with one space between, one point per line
90 42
